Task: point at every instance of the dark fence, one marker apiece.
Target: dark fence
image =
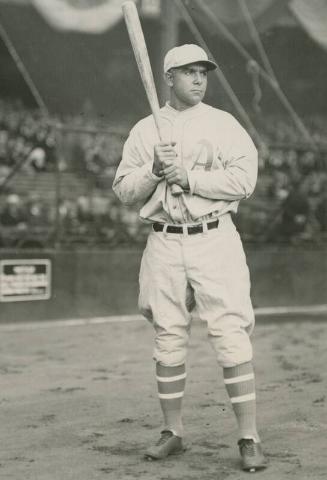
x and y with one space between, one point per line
90 283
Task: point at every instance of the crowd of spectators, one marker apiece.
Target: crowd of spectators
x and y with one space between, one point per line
25 138
97 218
281 130
290 202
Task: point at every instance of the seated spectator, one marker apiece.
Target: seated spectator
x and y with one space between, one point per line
84 211
37 214
13 213
37 159
4 172
295 210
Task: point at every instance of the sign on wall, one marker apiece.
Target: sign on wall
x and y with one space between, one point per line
23 280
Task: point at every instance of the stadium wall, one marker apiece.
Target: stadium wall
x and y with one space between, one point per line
88 284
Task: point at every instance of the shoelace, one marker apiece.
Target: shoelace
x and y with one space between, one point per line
249 446
164 437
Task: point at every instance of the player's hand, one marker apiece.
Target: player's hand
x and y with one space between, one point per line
176 174
163 152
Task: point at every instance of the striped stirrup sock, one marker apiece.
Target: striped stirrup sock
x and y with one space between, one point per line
240 386
171 385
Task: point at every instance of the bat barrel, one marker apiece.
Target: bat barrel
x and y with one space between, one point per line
140 50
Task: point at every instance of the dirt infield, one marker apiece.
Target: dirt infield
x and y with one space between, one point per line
79 403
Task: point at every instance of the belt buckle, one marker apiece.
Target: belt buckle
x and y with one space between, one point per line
205 228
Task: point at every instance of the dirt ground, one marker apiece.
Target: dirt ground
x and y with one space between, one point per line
79 403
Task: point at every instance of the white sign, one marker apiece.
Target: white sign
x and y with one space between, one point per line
22 280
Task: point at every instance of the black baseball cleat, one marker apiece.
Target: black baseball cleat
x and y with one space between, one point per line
168 444
252 455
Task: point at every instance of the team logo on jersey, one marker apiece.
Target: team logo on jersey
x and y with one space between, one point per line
203 157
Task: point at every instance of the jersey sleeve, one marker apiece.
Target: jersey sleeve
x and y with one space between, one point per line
238 178
134 180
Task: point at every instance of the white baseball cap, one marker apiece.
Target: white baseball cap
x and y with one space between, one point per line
185 54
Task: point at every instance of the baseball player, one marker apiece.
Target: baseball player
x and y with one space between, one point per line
194 255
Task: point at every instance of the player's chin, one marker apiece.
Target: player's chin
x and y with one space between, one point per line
196 97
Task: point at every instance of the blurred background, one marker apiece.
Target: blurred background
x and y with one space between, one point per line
69 94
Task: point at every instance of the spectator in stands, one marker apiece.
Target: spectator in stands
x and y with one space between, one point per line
279 185
46 142
37 212
84 211
133 233
4 172
307 162
13 213
67 216
37 159
295 212
107 220
95 162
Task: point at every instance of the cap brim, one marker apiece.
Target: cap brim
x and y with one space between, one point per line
208 63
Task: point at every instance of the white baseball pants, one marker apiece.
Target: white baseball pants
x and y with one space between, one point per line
206 270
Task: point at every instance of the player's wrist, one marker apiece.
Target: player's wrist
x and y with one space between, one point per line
156 171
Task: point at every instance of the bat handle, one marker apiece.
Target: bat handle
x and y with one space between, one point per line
176 190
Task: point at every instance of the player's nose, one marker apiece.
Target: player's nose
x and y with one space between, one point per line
197 78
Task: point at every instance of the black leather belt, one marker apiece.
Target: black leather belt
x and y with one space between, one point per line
191 229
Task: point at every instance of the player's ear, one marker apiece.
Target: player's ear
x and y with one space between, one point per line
168 76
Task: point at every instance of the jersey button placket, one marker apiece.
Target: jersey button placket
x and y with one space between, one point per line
176 213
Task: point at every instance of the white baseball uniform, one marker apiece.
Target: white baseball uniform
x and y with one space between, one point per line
208 269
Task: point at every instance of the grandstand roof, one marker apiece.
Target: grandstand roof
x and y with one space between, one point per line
97 16
73 69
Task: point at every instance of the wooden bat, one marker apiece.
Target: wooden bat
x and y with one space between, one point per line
140 50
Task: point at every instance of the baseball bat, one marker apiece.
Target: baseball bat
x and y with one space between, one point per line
140 50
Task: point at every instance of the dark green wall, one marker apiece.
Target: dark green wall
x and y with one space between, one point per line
100 283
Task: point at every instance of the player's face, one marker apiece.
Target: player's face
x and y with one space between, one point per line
188 85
